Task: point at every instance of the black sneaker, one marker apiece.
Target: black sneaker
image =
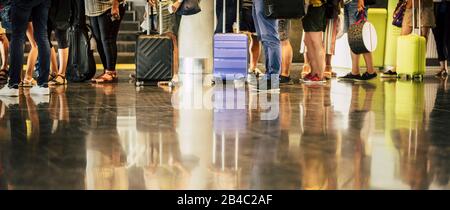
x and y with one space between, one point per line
350 76
389 74
285 80
366 76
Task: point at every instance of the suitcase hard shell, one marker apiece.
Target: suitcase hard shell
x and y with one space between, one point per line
154 59
154 55
230 52
284 9
230 56
411 56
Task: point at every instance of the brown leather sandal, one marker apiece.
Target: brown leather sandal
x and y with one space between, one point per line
107 77
3 75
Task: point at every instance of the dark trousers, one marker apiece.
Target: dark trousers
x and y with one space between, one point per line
105 33
442 30
231 12
21 11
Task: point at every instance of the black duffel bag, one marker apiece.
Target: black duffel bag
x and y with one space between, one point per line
189 7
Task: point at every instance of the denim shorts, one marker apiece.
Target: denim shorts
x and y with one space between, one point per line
351 15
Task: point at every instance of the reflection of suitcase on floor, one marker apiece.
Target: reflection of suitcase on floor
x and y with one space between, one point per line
154 57
411 53
230 53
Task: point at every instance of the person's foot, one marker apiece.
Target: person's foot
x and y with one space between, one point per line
389 74
37 90
366 76
350 77
28 82
3 76
58 80
442 73
52 76
328 73
285 80
107 77
306 70
312 79
11 92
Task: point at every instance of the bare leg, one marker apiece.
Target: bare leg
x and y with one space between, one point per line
175 57
315 53
63 55
355 64
425 31
32 55
287 56
53 62
369 62
4 51
255 52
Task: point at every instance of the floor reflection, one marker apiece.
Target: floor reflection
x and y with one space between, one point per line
377 135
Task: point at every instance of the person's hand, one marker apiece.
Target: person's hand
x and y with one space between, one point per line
176 6
115 10
152 3
361 6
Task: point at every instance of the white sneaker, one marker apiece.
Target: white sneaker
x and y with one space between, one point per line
11 92
40 91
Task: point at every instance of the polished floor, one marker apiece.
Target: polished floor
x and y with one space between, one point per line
374 135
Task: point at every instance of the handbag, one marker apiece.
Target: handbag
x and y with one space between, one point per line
362 36
399 13
189 7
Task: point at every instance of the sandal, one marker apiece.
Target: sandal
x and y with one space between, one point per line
442 73
328 73
58 80
52 76
3 75
107 77
28 83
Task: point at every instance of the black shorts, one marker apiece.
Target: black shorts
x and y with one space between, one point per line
315 20
247 23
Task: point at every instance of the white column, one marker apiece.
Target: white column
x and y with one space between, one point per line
195 40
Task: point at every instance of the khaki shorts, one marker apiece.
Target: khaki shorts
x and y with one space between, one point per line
427 19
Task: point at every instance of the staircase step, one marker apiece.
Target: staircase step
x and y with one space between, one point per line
127 35
129 16
122 57
129 26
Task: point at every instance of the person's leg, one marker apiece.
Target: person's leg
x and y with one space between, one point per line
98 39
438 33
19 20
40 16
255 52
270 39
32 55
4 51
315 52
63 50
447 33
287 56
109 30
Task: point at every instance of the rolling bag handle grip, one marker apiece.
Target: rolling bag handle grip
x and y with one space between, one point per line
160 18
224 18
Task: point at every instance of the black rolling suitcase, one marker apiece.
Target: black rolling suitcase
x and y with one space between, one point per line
284 9
154 56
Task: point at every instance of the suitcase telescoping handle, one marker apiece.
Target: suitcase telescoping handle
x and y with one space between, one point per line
160 18
224 17
419 19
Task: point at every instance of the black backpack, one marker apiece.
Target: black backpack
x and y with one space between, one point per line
81 65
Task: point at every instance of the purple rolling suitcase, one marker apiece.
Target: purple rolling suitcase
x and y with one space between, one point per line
230 53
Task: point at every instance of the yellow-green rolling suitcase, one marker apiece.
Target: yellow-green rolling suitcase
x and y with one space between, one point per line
412 53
